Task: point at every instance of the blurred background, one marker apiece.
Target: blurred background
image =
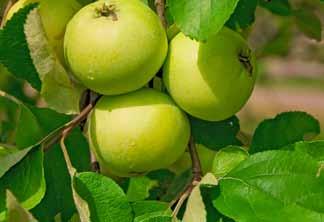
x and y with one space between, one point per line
291 70
291 67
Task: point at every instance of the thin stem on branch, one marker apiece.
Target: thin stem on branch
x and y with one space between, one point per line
67 129
160 10
245 138
71 125
5 12
196 178
65 133
196 166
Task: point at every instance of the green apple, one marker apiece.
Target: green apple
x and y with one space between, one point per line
206 157
134 133
115 46
210 80
55 14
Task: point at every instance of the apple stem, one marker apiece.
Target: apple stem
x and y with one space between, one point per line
196 178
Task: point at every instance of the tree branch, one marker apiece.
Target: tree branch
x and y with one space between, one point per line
5 12
66 154
160 9
196 178
70 125
196 166
245 138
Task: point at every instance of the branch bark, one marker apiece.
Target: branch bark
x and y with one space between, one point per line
245 138
196 178
66 130
160 9
5 12
196 165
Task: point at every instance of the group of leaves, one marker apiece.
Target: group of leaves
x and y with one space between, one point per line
279 178
199 19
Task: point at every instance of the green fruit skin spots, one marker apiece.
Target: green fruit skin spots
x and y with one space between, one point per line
137 132
207 80
115 56
55 14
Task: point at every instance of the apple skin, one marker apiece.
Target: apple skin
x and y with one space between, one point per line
55 15
115 53
206 157
134 133
208 80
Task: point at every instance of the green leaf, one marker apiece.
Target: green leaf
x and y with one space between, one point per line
59 91
81 204
208 193
315 149
168 14
178 185
281 186
139 188
164 178
9 157
38 63
58 197
34 124
14 52
280 7
155 217
29 130
215 135
284 129
196 209
78 149
244 14
75 218
148 206
309 23
15 212
282 41
25 180
227 159
200 18
107 201
85 2
13 86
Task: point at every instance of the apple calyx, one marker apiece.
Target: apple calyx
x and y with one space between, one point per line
245 58
107 10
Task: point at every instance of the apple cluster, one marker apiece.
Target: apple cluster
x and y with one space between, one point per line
115 47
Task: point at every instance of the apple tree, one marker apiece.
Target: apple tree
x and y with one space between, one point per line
131 115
